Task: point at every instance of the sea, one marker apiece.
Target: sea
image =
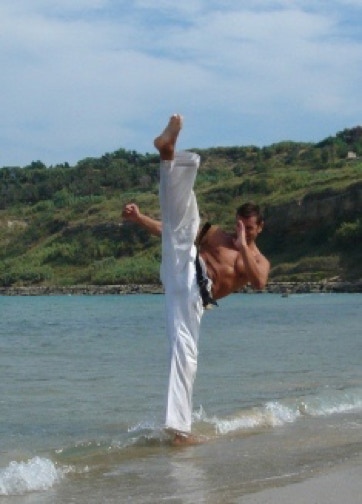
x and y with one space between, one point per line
277 398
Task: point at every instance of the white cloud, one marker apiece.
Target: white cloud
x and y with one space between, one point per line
87 77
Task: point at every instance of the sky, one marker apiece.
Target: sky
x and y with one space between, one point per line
81 78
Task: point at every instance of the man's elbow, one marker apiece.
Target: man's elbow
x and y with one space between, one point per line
259 285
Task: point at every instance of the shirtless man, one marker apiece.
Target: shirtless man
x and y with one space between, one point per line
194 277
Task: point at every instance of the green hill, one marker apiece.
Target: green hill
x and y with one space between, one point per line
62 225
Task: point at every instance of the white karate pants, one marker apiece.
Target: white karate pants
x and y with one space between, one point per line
180 224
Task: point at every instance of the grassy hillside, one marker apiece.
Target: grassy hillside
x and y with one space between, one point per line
61 224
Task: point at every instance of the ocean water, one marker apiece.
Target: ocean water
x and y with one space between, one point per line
278 397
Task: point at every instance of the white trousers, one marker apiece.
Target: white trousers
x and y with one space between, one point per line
180 224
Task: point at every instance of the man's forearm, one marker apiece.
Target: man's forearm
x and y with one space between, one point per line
131 213
256 272
153 226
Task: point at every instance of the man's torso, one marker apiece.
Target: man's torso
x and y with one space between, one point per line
223 261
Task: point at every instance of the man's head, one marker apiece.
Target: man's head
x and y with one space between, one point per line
252 218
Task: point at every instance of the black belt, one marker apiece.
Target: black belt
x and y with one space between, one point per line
201 278
202 233
203 282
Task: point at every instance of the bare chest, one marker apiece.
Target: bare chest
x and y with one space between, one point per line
224 264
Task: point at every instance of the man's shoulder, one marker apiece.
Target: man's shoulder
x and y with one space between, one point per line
261 258
219 238
220 234
206 233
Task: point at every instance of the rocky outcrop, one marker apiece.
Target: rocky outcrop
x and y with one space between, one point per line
86 290
314 287
328 207
283 288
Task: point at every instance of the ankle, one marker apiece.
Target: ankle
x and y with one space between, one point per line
167 155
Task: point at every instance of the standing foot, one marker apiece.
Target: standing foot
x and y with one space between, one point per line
165 143
183 439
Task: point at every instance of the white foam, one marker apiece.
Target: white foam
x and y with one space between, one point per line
37 474
342 402
145 425
279 413
272 415
243 423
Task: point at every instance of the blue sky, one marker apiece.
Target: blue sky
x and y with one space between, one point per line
82 78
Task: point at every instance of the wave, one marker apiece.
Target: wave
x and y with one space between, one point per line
254 419
278 413
41 474
37 474
272 414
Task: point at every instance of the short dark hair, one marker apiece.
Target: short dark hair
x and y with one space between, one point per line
250 209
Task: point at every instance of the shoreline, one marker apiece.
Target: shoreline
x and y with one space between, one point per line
80 290
282 288
341 483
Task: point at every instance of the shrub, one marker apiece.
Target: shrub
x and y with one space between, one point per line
24 275
349 234
129 271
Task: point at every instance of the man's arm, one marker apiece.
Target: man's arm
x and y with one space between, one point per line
132 213
254 265
256 268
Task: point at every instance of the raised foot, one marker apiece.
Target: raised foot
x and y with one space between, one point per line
165 143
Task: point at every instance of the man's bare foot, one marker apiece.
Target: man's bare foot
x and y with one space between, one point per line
186 440
165 143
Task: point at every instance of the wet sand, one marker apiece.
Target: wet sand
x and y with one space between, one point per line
342 484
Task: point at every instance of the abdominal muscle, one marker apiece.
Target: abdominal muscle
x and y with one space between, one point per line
223 262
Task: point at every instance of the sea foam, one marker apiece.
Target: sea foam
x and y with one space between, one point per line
271 415
37 474
278 413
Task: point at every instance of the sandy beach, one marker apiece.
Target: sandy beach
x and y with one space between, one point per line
342 484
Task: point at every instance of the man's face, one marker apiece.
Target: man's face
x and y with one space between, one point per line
252 228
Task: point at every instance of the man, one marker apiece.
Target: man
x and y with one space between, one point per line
194 277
